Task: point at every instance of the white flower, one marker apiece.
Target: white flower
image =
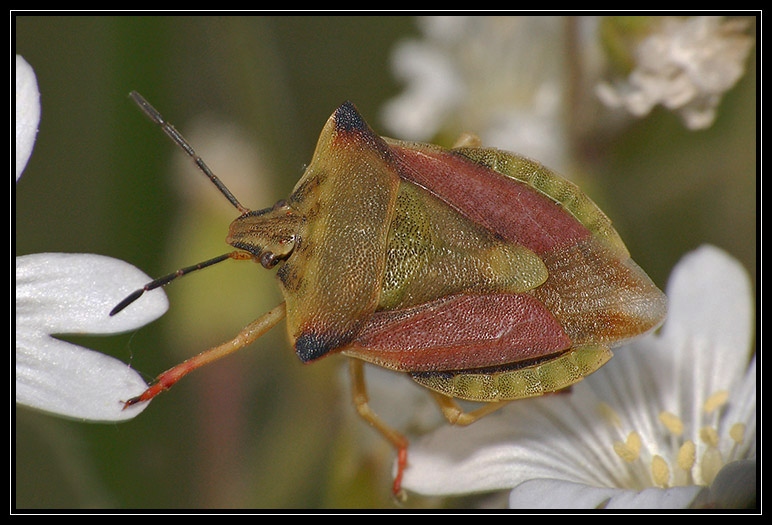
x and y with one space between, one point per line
687 65
27 113
58 293
653 428
500 78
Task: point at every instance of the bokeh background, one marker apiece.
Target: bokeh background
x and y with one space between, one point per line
259 429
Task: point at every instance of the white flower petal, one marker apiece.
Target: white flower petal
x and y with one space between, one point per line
711 296
74 293
560 494
706 338
27 113
71 381
741 408
655 498
550 437
59 293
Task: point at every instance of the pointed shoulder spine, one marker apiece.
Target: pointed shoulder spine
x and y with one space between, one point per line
348 119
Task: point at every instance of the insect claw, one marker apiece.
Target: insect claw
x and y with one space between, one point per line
132 401
400 498
148 394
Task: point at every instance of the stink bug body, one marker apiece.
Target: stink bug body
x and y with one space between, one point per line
479 273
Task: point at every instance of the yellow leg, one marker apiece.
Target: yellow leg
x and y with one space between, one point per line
456 416
361 401
245 337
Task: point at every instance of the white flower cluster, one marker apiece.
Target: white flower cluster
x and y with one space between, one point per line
501 78
686 65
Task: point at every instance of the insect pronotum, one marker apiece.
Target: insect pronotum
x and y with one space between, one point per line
481 274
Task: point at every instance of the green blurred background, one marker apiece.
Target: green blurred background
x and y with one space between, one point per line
260 430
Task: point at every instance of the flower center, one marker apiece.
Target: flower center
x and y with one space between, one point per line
675 464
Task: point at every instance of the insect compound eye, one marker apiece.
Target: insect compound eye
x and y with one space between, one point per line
268 260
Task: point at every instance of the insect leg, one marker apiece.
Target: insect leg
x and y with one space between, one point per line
245 337
361 401
456 416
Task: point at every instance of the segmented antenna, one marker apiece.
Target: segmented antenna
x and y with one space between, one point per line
163 281
178 139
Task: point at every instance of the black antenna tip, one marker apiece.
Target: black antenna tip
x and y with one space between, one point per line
126 302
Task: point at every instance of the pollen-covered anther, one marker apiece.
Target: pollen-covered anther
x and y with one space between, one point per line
686 455
737 433
660 472
672 422
629 450
716 400
609 414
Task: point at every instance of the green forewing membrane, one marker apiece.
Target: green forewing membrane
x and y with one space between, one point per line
433 251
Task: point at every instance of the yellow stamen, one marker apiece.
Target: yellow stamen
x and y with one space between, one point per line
715 401
660 471
633 442
609 414
625 452
686 455
737 432
672 422
709 436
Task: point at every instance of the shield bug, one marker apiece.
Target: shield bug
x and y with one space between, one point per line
481 274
